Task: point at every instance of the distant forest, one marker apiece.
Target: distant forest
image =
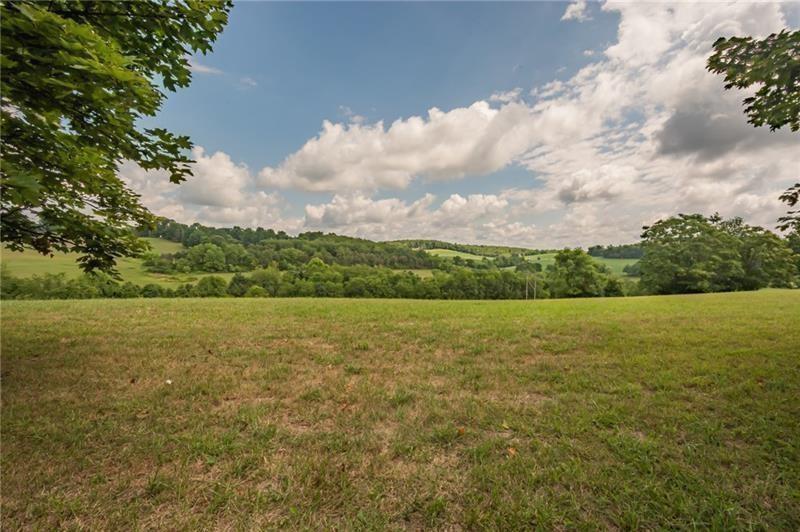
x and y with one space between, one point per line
475 249
682 254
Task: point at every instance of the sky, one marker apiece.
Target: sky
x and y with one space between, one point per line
538 124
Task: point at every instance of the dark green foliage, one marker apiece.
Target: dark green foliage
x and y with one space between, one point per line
633 270
239 285
773 65
791 221
575 274
485 251
624 251
76 78
239 249
256 291
151 290
58 286
692 253
211 286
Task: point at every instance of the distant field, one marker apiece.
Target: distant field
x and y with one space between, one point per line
615 265
673 412
545 259
451 253
29 263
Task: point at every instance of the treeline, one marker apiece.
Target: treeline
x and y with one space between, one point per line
693 253
623 251
574 274
475 249
682 254
239 249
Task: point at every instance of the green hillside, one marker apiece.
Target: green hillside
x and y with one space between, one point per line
28 263
472 249
450 253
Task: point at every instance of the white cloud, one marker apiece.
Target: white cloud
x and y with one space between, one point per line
506 96
471 218
217 180
474 140
198 68
351 115
642 132
220 192
247 82
576 11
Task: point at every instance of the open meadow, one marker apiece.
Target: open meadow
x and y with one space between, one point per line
667 412
29 263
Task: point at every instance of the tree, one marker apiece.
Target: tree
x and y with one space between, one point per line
692 253
688 254
792 219
575 274
211 286
77 76
239 285
767 260
256 291
207 258
151 290
774 65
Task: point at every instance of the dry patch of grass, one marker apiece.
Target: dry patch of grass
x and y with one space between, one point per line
668 412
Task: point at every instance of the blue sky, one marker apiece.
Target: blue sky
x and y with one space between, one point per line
566 145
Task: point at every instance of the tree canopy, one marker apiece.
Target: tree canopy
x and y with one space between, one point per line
772 64
77 77
693 253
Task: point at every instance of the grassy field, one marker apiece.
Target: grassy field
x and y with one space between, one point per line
615 265
545 259
28 263
674 412
450 253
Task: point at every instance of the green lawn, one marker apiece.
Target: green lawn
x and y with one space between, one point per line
674 412
28 263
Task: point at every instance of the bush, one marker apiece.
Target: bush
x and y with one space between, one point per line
151 290
256 291
211 286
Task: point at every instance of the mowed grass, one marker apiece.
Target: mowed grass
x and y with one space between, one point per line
450 253
29 263
674 412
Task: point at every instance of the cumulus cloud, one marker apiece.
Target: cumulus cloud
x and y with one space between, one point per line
646 131
576 11
474 140
471 218
198 68
220 192
641 132
506 96
351 115
247 82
